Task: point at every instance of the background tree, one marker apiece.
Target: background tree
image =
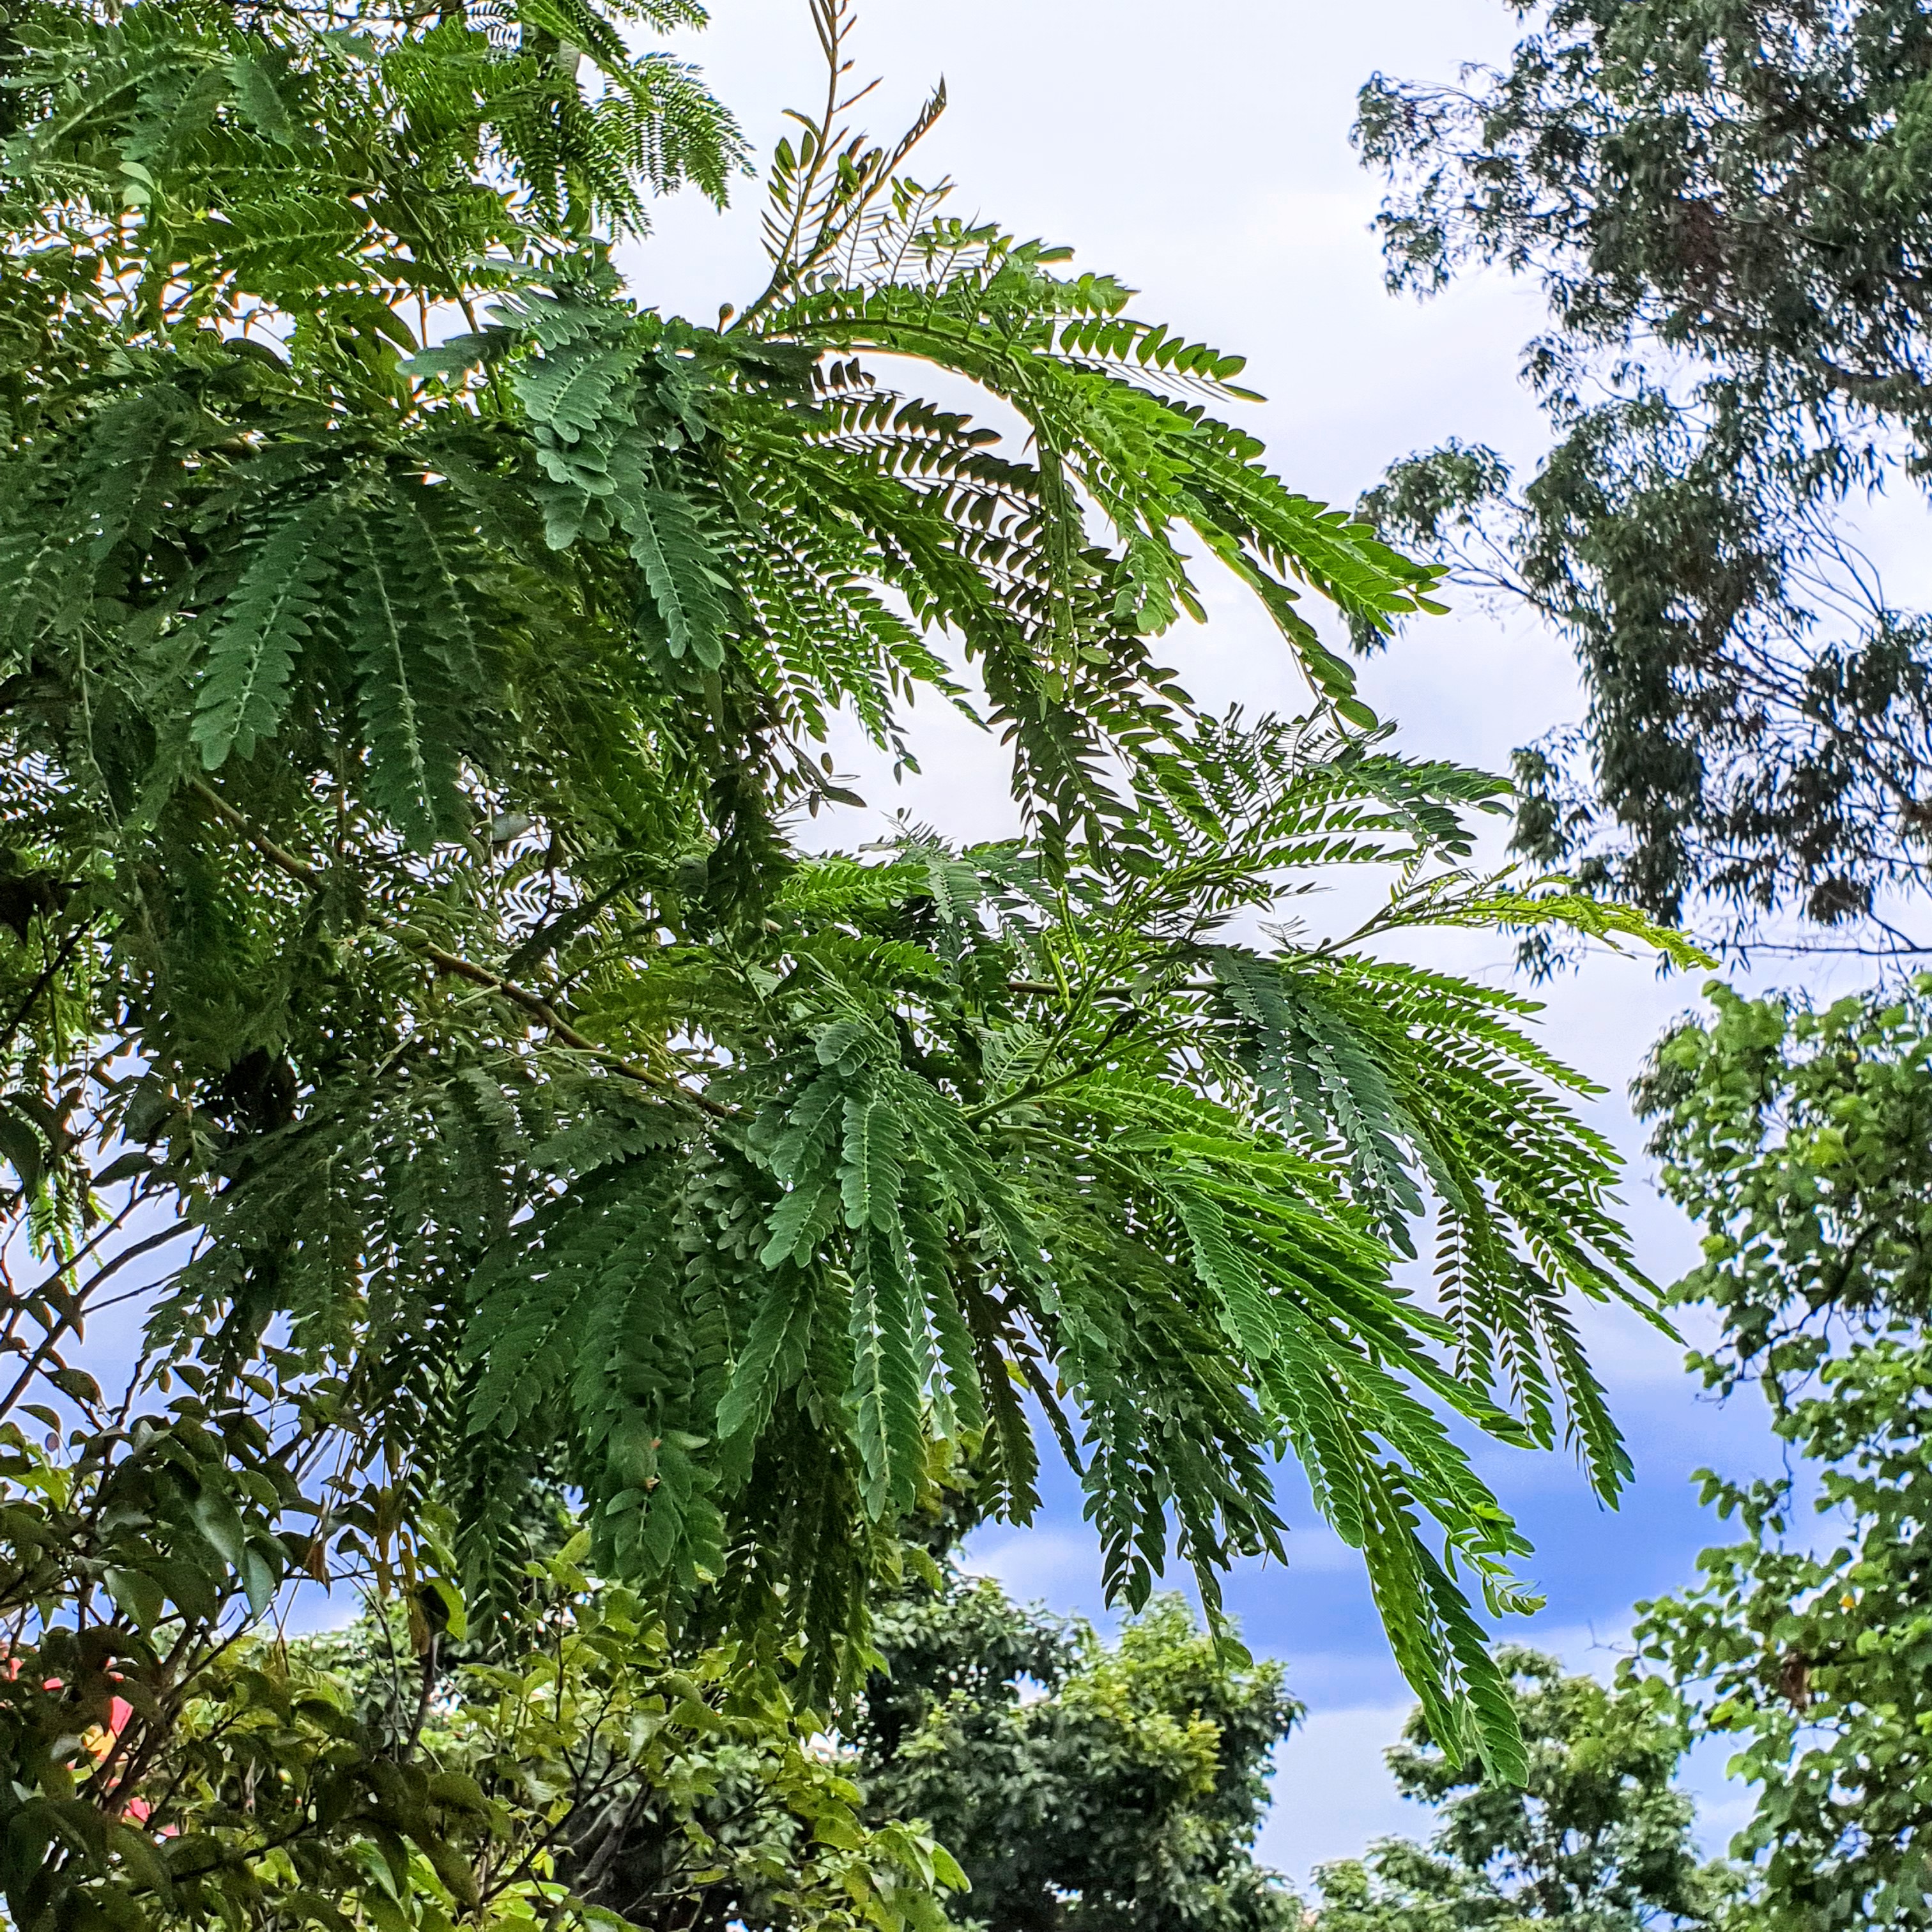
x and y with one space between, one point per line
674 1791
405 1773
1798 1137
1081 1785
1726 203
1596 1840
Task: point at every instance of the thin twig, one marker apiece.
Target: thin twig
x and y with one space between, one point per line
45 980
38 1360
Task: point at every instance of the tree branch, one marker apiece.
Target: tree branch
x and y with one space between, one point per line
538 1008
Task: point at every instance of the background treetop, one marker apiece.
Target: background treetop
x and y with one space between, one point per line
1725 203
1597 1839
1796 1135
1081 1784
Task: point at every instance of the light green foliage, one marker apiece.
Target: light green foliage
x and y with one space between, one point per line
1595 1841
358 1780
1798 1139
410 652
683 1790
1803 1644
1081 1785
1802 1140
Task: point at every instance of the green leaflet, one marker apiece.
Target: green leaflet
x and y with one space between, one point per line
36 578
569 395
523 1333
22 1146
1224 1270
955 1340
1420 1073
1319 1077
597 1124
811 1127
885 1375
133 451
252 648
955 1156
457 355
436 544
686 582
774 1353
1437 1640
800 1223
406 698
870 1170
258 97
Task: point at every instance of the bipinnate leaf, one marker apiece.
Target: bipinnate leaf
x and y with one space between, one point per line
403 688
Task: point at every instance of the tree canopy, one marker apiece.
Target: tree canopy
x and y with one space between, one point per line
1725 202
1801 1645
571 1763
1083 1787
1795 1136
413 653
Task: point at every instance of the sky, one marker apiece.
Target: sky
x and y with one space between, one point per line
1202 155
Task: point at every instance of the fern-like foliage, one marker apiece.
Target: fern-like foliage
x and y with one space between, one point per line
401 720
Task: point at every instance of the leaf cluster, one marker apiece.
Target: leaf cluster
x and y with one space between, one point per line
172 1765
1801 1643
1080 1784
1796 1136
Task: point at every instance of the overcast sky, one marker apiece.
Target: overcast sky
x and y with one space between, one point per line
1202 153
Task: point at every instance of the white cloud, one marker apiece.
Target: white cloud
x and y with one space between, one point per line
1334 1682
1332 1793
1033 1565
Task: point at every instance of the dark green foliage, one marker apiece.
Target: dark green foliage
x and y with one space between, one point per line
1082 1786
1596 1840
1798 1139
410 652
1727 204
